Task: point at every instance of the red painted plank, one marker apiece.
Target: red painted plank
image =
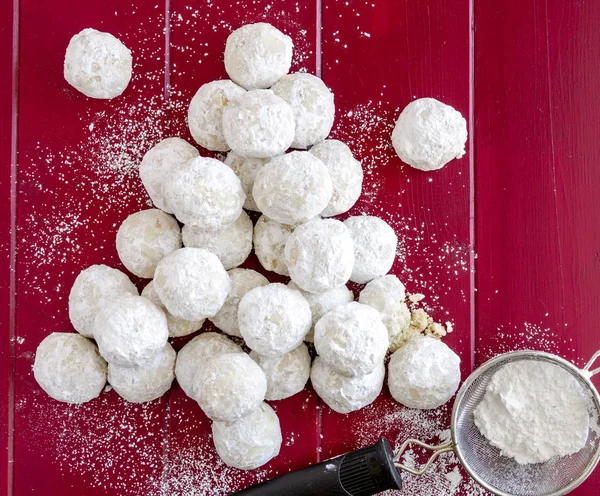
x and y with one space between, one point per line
377 57
537 179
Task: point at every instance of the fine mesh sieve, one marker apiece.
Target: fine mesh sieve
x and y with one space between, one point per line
502 475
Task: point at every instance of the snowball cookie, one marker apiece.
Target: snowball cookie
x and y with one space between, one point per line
258 124
270 238
97 64
321 303
257 55
245 169
346 394
144 238
352 339
428 134
231 244
386 295
146 382
313 107
249 442
286 374
374 247
292 188
273 319
205 113
69 368
242 281
194 355
130 331
192 283
92 289
177 327
320 255
205 193
229 386
346 175
424 373
160 163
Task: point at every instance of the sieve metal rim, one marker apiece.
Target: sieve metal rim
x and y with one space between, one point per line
584 374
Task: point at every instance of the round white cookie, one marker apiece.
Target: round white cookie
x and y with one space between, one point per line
375 245
249 442
144 238
69 368
97 64
351 339
273 319
321 303
205 193
313 107
424 373
246 169
257 55
428 134
346 175
130 331
92 289
192 283
270 238
386 295
196 353
286 374
292 188
242 281
160 163
258 124
346 394
231 244
229 386
177 327
146 382
319 255
205 113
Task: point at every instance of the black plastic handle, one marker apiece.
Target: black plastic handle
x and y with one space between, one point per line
363 472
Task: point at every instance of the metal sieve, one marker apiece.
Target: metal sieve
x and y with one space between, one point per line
373 469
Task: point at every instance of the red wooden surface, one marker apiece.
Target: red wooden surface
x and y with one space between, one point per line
524 197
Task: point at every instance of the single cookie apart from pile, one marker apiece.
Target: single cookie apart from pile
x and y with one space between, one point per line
231 244
313 106
273 319
229 387
92 289
428 134
144 238
286 374
319 255
192 283
97 64
424 373
205 113
351 339
346 394
69 368
249 442
160 163
257 55
258 124
194 355
242 281
292 188
145 382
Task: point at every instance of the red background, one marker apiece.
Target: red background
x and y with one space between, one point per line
505 242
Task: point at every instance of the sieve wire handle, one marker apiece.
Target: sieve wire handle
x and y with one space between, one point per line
436 449
588 366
